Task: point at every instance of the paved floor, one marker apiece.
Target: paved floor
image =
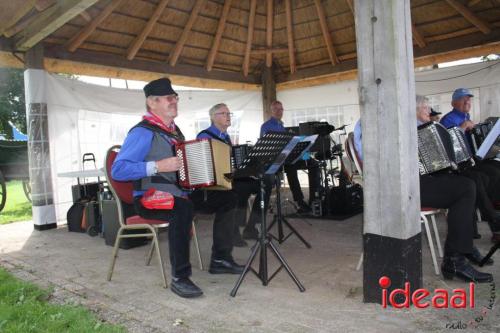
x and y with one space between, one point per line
75 265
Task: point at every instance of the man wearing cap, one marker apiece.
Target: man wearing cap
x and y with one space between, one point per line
147 158
434 115
487 171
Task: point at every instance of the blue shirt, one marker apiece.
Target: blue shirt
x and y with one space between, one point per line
357 139
130 163
272 124
454 118
214 130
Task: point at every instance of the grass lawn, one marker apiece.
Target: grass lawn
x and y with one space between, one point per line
17 207
24 308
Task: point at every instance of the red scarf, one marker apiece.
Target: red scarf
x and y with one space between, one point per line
155 120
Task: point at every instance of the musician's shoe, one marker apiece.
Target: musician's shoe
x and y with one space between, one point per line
475 257
250 233
184 287
456 266
221 266
303 207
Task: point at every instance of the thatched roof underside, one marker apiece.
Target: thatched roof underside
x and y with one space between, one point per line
217 41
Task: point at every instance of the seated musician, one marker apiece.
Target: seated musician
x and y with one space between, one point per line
147 157
275 124
220 117
486 174
458 195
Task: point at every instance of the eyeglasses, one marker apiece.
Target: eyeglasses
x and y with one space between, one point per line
225 114
171 98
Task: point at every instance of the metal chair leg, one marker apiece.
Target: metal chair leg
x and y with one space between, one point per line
197 246
431 243
160 259
115 252
436 233
151 249
360 262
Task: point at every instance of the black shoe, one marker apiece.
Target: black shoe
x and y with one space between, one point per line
475 257
457 266
237 240
303 207
184 287
221 266
250 233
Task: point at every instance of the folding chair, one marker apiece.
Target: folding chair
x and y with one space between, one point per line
122 192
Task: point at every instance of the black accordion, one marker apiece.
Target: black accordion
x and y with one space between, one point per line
441 149
480 132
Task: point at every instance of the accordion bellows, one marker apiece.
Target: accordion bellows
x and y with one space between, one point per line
204 164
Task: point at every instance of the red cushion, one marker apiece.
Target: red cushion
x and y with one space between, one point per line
136 219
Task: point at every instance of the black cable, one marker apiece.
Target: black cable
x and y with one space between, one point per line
454 77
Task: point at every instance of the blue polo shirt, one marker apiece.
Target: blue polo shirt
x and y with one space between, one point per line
272 124
454 118
224 136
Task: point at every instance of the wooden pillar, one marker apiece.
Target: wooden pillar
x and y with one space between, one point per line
268 90
391 235
42 197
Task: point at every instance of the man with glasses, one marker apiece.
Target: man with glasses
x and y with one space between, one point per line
220 118
147 157
276 125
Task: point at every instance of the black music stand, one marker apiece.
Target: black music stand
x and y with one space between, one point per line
266 158
493 249
278 218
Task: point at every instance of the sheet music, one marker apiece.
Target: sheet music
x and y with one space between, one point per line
489 141
288 149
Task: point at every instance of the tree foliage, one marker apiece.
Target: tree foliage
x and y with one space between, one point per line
12 103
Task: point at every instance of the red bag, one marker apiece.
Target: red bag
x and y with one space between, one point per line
154 199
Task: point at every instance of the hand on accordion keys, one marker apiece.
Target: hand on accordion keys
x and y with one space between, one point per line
168 164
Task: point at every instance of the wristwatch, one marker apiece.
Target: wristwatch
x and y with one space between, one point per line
155 169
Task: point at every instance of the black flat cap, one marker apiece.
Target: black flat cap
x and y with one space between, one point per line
160 87
434 113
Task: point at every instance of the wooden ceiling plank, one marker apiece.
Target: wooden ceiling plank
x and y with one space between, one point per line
269 32
289 33
137 43
185 33
79 38
248 47
86 16
470 16
351 5
269 51
419 38
218 35
326 33
50 20
41 5
18 15
473 2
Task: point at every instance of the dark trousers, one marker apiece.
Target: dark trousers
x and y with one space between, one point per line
180 219
293 180
223 204
492 169
244 188
458 195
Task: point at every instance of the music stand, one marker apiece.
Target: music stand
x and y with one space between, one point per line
266 158
279 219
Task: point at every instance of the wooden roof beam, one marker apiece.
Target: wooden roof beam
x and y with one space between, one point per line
473 2
248 47
269 32
351 5
418 36
289 33
86 16
218 35
41 5
139 40
326 33
16 16
187 28
470 16
79 38
269 51
49 21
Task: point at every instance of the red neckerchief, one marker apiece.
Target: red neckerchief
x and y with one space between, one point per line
155 120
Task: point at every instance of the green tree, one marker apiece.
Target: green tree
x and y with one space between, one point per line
12 105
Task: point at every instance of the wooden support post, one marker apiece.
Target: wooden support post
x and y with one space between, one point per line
268 90
42 197
391 235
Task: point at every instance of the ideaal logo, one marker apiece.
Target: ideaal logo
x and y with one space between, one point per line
461 298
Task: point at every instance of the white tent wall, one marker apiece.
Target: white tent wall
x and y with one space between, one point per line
85 118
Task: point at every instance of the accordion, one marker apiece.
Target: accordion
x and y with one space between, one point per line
461 151
204 163
479 134
435 149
